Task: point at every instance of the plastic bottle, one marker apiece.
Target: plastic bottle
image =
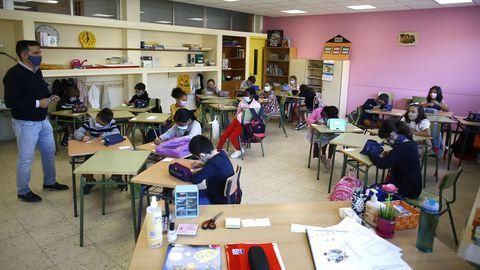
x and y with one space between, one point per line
472 252
172 233
427 225
154 224
372 207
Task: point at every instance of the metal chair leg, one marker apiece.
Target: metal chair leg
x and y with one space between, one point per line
453 225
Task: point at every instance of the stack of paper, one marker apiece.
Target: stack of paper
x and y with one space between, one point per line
349 245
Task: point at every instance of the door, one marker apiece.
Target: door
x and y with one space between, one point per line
255 66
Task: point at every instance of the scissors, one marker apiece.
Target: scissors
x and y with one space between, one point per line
210 224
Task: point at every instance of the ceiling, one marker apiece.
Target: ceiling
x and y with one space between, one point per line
273 8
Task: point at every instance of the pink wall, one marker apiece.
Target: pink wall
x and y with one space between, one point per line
447 54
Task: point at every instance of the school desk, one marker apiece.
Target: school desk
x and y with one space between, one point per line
147 120
66 117
444 121
323 129
213 101
221 111
121 117
202 97
157 175
292 102
77 149
474 128
133 109
441 113
127 163
294 247
150 147
392 113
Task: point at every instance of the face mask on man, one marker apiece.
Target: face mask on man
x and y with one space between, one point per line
247 99
267 88
36 60
433 95
412 116
183 103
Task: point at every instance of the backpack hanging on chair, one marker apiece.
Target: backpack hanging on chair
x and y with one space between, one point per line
255 129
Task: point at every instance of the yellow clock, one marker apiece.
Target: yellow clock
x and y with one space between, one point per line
87 39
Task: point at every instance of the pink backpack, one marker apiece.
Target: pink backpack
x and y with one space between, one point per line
343 190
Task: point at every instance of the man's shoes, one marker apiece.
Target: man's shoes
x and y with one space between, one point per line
30 197
56 186
88 186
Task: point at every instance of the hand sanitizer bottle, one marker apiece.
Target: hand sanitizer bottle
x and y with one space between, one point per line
154 224
372 207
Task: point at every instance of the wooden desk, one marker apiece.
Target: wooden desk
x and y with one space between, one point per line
132 109
120 162
67 113
323 129
393 112
150 146
294 247
202 97
213 101
145 121
222 111
78 149
116 114
66 117
441 113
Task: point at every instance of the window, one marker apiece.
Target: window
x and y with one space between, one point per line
219 18
241 22
58 7
93 8
156 11
188 15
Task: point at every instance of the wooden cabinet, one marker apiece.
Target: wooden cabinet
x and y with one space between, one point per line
233 63
276 64
308 71
231 86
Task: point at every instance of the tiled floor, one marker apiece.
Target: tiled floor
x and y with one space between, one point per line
45 235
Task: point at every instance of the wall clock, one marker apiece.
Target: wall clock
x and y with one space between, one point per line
47 35
87 39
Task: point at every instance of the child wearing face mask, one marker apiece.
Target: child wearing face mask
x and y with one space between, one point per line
214 166
434 101
185 125
293 87
320 116
140 99
270 107
371 119
95 130
403 159
250 81
418 124
70 99
234 130
180 100
211 88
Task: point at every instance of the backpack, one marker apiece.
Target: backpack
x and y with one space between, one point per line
343 190
255 129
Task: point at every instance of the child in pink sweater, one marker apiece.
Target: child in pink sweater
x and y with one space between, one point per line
320 116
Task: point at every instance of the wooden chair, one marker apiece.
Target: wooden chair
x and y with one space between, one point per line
449 181
417 99
233 192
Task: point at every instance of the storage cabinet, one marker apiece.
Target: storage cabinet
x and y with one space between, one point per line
276 64
233 63
308 71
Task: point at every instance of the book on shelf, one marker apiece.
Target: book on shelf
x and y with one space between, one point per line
181 256
237 255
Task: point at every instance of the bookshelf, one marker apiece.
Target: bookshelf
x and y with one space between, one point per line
276 64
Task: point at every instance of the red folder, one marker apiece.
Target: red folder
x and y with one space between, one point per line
237 256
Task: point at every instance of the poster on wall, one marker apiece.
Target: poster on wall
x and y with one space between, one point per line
183 81
407 38
274 38
327 73
337 48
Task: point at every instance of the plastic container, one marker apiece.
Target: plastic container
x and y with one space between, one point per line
172 233
372 207
428 225
154 224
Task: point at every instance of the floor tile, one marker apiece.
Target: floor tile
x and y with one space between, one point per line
35 259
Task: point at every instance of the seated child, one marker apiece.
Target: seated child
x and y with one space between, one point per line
70 99
309 95
248 82
213 166
140 99
371 119
211 88
271 107
320 116
403 159
293 85
234 130
434 100
185 125
96 130
180 100
418 124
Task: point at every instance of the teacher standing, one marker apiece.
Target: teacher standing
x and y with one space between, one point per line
27 94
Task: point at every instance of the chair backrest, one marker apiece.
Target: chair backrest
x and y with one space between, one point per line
417 99
232 191
156 103
247 115
449 180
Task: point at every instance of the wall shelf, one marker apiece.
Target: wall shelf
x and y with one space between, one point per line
280 76
124 71
125 49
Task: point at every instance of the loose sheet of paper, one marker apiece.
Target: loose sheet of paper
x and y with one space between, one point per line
124 147
167 160
256 222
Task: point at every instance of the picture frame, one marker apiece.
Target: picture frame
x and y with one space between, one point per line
274 38
407 38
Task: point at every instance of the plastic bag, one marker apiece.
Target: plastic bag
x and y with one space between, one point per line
215 128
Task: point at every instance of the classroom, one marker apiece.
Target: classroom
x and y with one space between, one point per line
239 134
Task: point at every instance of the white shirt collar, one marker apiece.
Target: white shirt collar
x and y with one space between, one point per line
34 69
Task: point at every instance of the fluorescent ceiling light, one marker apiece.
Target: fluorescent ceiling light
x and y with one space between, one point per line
195 19
446 2
361 7
21 7
231 0
52 1
102 15
141 12
164 22
294 11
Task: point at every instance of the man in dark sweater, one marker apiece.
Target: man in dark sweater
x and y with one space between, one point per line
214 167
27 94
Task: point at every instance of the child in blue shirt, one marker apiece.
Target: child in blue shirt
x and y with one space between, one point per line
214 166
370 119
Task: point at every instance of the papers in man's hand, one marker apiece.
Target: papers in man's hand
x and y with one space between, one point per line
348 245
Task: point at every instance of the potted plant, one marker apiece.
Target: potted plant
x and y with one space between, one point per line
386 215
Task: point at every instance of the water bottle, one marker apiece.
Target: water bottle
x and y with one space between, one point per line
428 225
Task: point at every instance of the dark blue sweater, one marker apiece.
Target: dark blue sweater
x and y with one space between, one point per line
369 105
22 89
216 171
405 171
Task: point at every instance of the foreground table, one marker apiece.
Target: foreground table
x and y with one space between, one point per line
294 247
